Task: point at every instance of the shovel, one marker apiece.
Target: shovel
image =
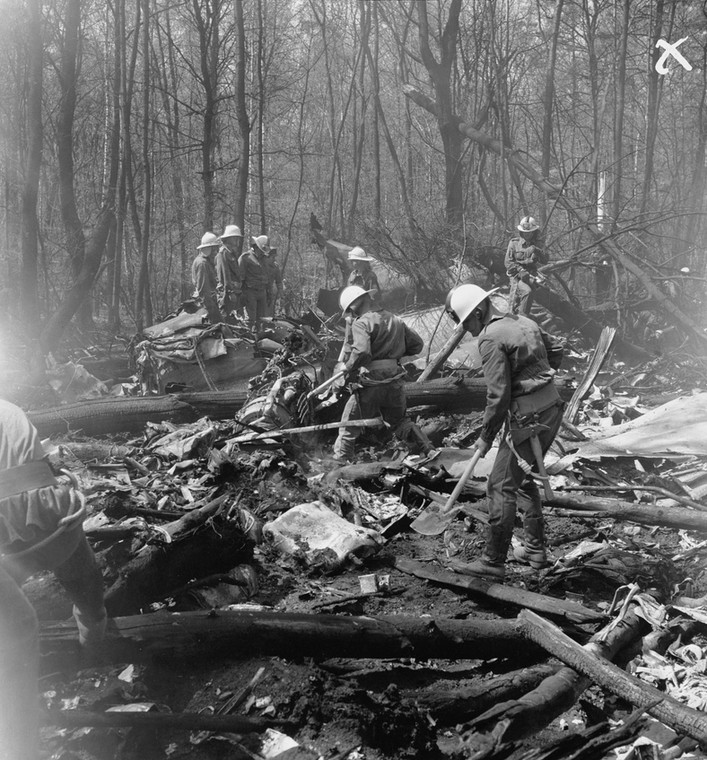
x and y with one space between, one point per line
435 519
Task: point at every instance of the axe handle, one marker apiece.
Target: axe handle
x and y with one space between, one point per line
538 454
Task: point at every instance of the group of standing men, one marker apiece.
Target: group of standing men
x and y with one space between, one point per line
227 281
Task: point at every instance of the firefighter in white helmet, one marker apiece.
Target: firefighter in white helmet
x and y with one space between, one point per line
519 362
371 358
203 275
227 273
523 256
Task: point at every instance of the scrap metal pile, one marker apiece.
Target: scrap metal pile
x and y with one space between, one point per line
264 604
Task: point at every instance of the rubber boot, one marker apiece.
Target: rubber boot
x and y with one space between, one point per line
533 551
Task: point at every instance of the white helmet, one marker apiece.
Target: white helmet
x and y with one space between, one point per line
232 230
208 240
261 242
528 224
358 254
350 294
463 299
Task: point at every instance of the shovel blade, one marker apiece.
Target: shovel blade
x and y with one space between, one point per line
433 520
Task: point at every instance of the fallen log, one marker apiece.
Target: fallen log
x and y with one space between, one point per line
112 415
682 719
679 518
523 717
451 706
130 414
507 594
238 634
158 721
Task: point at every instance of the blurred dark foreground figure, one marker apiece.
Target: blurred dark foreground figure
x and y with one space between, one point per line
41 528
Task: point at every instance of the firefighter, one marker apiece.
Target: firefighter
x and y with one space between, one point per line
254 271
41 528
362 273
274 287
371 359
519 362
523 256
203 275
227 272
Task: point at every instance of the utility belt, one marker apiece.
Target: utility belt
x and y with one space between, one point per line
383 364
380 365
531 404
26 477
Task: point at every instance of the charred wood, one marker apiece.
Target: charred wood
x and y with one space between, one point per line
684 720
507 594
522 717
237 634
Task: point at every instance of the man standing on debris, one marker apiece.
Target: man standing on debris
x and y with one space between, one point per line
41 528
253 267
227 272
362 273
371 359
519 362
203 275
523 256
274 287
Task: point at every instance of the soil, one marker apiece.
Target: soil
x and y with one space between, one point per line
346 708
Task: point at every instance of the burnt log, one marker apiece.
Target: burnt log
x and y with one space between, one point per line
156 721
451 706
679 518
683 719
507 594
524 716
239 634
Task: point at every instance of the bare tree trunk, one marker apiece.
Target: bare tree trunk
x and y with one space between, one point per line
440 73
142 311
619 110
654 90
243 120
549 97
33 162
208 19
75 240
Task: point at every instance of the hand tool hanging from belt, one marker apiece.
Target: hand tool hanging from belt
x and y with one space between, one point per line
524 425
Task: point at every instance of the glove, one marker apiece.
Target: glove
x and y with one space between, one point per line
482 446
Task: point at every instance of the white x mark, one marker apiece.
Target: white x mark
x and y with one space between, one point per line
669 50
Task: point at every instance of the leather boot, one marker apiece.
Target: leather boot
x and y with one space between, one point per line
482 568
493 559
533 551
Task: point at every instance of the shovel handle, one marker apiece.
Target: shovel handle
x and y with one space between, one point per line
539 460
326 384
452 500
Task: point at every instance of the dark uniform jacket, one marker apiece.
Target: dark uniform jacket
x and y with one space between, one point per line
518 358
523 258
253 269
227 271
376 335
